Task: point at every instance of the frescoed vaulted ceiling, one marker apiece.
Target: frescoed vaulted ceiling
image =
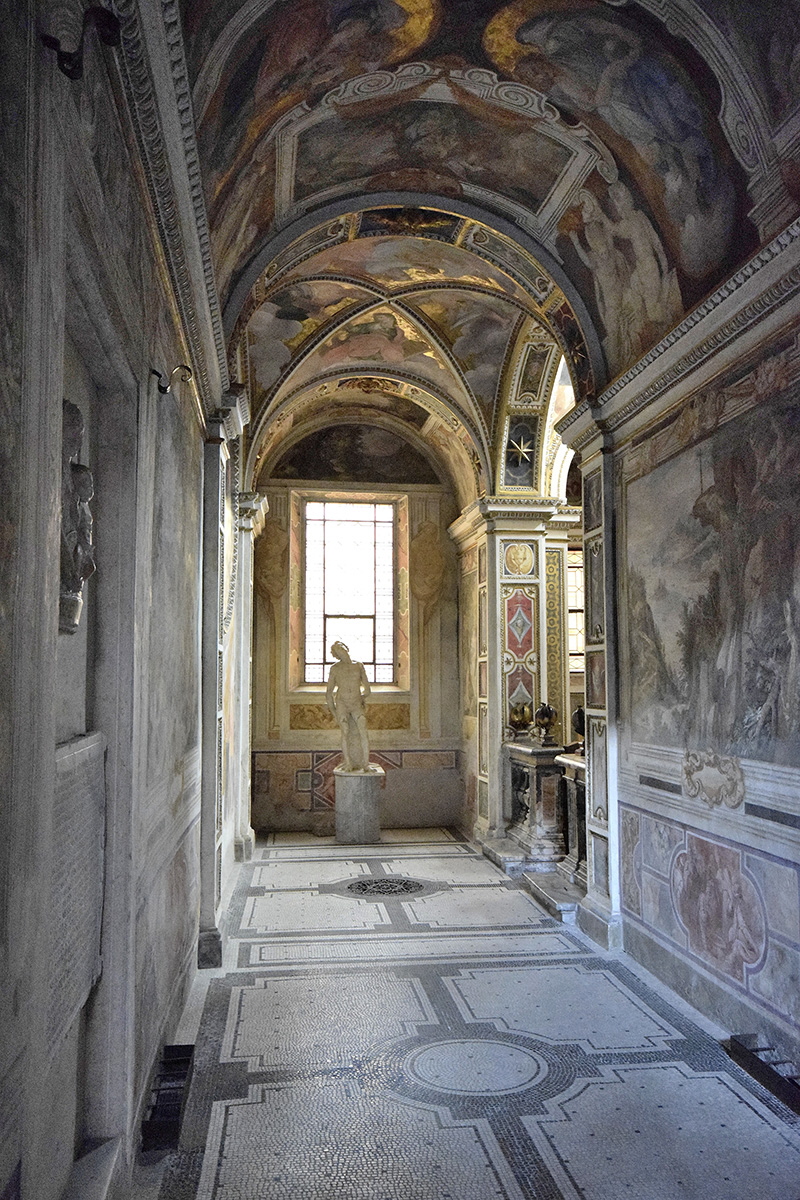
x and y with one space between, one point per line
398 188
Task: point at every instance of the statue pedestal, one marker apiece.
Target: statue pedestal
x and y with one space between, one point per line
358 820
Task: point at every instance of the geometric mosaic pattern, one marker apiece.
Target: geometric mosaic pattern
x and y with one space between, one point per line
462 1046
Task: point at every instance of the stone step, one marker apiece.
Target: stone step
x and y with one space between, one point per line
505 854
554 892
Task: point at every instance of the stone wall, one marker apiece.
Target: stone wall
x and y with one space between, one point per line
88 314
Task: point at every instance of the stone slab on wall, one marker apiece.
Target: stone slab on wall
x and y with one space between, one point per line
291 788
76 896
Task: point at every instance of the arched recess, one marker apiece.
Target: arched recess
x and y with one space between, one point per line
430 327
495 241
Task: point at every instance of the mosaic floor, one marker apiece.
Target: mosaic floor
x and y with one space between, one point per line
403 1021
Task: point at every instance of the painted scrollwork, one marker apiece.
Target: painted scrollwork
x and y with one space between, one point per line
714 778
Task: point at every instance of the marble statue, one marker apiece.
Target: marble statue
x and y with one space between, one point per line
77 550
348 688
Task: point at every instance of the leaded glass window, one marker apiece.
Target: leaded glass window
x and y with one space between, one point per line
349 586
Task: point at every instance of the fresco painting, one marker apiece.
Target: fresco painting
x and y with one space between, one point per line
636 291
440 146
605 69
713 581
767 38
356 454
719 906
477 330
382 339
397 263
239 220
284 322
300 48
532 374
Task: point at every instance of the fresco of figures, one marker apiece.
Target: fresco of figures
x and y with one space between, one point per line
713 581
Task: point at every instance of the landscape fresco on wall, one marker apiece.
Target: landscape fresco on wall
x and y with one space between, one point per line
713 582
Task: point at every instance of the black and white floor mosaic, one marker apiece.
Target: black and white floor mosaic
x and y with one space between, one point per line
402 1022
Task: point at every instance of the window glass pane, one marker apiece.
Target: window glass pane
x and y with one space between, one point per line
349 585
337 511
314 674
349 568
355 632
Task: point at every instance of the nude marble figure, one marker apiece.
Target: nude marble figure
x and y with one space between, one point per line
348 688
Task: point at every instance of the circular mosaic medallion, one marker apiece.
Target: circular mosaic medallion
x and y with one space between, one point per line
475 1067
385 886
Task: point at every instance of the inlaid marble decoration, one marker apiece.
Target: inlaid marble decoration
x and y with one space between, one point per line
519 622
450 1040
596 679
592 501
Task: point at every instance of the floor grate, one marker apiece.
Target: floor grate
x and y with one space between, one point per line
769 1066
161 1128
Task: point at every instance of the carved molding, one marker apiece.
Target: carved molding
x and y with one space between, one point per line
713 778
140 92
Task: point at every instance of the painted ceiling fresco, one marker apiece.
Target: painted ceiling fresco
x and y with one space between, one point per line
396 262
355 453
587 124
381 339
428 147
477 330
329 313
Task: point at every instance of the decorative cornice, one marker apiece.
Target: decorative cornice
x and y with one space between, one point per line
234 410
756 310
140 92
183 100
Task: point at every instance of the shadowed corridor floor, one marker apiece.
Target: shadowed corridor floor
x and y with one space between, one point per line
403 1021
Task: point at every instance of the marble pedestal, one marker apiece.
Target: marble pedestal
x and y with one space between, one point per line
358 805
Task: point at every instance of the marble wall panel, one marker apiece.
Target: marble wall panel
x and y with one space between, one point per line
172 696
630 851
731 911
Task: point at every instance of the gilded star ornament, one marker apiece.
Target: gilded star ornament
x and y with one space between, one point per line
520 450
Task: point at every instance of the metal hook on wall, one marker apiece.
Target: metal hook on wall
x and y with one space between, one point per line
166 388
70 62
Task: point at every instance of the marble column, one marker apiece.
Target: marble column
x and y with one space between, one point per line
252 513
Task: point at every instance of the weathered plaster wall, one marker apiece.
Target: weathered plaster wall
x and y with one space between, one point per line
710 702
413 729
